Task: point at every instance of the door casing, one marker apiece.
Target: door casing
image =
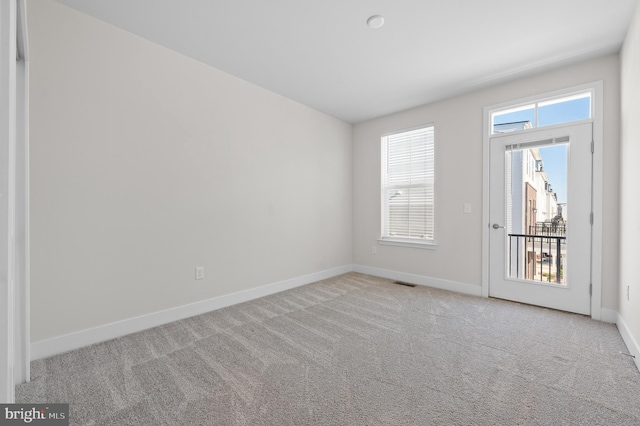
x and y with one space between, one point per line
597 185
14 199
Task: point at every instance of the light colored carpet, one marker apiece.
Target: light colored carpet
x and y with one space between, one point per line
352 350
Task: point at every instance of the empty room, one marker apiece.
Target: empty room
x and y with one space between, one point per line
303 212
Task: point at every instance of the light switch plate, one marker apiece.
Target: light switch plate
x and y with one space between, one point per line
199 272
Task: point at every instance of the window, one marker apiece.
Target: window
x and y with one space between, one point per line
408 187
547 112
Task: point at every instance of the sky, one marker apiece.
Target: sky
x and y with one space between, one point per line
554 158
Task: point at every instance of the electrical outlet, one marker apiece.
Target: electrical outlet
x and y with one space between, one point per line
466 208
374 249
199 272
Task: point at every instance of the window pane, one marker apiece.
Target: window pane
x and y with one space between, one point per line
564 110
536 210
407 184
514 119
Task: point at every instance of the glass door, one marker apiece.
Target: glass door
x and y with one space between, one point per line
540 195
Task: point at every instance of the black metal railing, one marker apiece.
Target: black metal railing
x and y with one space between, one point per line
532 250
548 228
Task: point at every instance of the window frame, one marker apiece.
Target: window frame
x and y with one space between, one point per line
405 241
536 102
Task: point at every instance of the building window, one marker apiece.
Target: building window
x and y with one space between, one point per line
408 187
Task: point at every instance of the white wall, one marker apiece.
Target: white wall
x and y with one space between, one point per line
630 176
145 164
458 127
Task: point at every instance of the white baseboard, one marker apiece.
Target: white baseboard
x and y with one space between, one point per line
608 315
474 290
632 345
57 345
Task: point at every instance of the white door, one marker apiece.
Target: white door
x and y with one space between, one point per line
540 212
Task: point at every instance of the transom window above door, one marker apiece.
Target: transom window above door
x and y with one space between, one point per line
567 108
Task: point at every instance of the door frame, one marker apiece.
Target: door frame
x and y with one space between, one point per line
14 202
22 315
8 47
597 185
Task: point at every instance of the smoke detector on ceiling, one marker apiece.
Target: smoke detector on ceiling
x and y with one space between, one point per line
375 21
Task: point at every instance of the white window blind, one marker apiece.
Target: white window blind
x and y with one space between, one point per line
408 185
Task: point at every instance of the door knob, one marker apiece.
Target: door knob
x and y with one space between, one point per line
496 226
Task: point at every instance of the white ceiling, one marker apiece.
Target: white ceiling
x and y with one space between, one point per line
322 54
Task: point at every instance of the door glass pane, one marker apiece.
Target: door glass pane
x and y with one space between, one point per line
536 237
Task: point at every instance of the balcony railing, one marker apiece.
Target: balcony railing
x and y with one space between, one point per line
548 228
537 257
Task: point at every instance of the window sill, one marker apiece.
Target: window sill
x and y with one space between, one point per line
429 245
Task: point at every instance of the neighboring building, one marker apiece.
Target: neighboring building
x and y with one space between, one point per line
512 127
562 211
